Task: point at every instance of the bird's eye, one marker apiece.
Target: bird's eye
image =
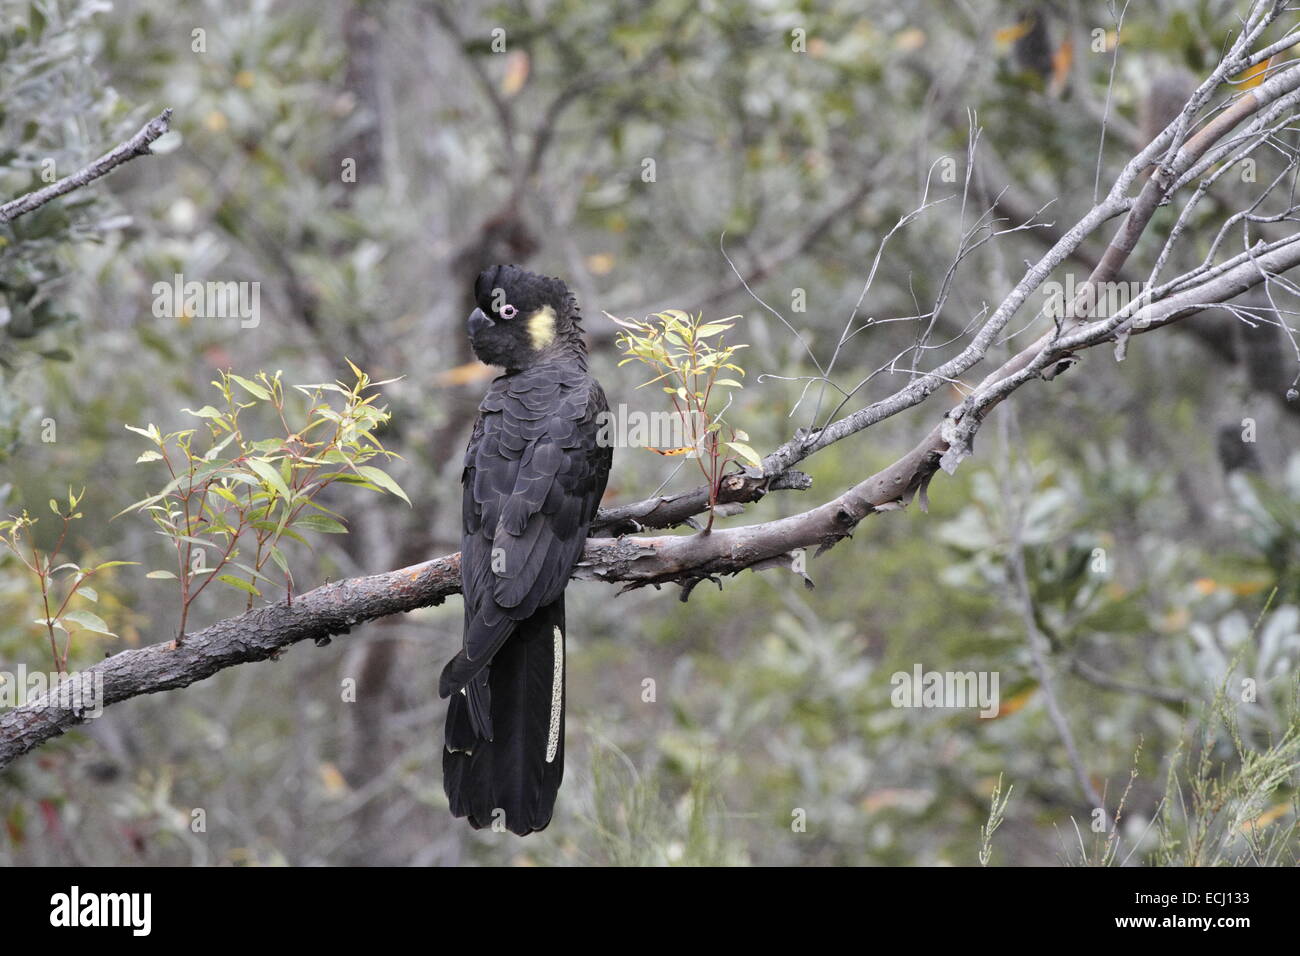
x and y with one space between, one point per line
508 311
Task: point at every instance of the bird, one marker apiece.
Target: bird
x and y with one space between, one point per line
536 468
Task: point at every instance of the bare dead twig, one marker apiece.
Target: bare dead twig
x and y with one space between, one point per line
137 145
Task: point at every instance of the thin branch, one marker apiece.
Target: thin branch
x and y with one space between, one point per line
137 145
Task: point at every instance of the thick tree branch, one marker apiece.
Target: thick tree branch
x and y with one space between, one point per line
253 636
137 145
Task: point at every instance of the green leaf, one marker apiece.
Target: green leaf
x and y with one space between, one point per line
88 622
225 494
271 475
278 557
257 391
745 452
149 456
252 572
383 480
161 575
151 432
290 533
320 523
334 514
140 505
216 449
197 542
238 583
113 564
90 594
207 411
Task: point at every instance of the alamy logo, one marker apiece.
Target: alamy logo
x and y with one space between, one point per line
922 688
81 693
669 433
103 909
209 300
1092 300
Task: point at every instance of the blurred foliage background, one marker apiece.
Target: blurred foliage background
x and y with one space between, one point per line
1161 549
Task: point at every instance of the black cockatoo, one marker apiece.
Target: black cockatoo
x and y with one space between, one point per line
534 476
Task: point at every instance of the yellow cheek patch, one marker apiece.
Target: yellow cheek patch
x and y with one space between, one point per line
541 327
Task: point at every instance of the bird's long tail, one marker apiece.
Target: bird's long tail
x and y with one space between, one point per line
506 771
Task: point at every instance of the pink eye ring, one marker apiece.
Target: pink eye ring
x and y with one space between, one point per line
508 311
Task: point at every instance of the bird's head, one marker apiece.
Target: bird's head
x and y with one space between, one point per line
522 318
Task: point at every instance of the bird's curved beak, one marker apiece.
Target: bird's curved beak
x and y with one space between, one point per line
478 321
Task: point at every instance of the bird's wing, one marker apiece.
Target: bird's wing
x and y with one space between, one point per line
534 476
